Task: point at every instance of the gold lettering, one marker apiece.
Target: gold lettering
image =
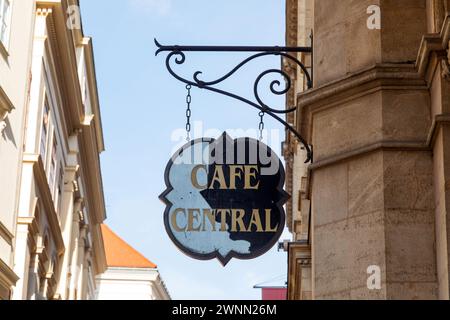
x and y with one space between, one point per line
198 219
234 173
211 215
250 172
218 177
236 219
175 226
255 220
268 228
194 177
193 216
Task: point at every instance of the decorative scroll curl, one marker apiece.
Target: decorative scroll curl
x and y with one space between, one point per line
177 54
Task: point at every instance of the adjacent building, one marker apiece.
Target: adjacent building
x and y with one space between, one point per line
370 215
51 195
52 242
273 290
299 32
15 56
129 275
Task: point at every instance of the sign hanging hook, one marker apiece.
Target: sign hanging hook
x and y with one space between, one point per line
188 112
261 125
177 55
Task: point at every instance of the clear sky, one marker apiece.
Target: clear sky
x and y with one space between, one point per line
142 106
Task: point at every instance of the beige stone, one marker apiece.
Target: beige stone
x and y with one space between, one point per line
378 119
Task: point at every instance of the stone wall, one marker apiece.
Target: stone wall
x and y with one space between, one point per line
377 119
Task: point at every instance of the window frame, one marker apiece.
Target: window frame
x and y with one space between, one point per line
53 163
4 44
44 128
58 192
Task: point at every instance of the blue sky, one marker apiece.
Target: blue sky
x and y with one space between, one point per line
142 106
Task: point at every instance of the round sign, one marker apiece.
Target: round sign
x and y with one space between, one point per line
224 198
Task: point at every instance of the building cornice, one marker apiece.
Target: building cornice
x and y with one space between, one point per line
291 39
388 76
46 199
6 234
160 286
7 276
99 255
33 229
77 33
372 147
92 175
434 49
291 22
92 83
52 68
370 80
288 65
62 43
439 121
6 106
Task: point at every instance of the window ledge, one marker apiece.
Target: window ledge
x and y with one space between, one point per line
6 106
7 275
3 51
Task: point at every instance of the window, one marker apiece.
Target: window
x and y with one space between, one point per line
44 131
59 187
52 171
43 269
84 90
5 8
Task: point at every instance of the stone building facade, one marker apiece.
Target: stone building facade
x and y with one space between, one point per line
14 78
373 206
51 196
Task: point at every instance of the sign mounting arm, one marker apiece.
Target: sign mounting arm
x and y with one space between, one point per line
178 54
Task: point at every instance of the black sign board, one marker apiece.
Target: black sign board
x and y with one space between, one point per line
224 198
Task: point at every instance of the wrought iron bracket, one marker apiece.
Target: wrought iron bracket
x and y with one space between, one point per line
178 53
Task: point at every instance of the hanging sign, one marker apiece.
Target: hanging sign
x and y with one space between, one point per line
224 198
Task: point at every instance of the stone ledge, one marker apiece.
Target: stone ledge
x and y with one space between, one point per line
433 43
6 234
46 200
380 145
372 79
6 106
7 275
438 121
383 76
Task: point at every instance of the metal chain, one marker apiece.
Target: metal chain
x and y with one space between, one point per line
261 125
188 112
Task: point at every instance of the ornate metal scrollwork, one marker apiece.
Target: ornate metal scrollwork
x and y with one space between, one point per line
177 54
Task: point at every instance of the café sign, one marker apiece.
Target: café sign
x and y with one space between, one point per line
224 198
